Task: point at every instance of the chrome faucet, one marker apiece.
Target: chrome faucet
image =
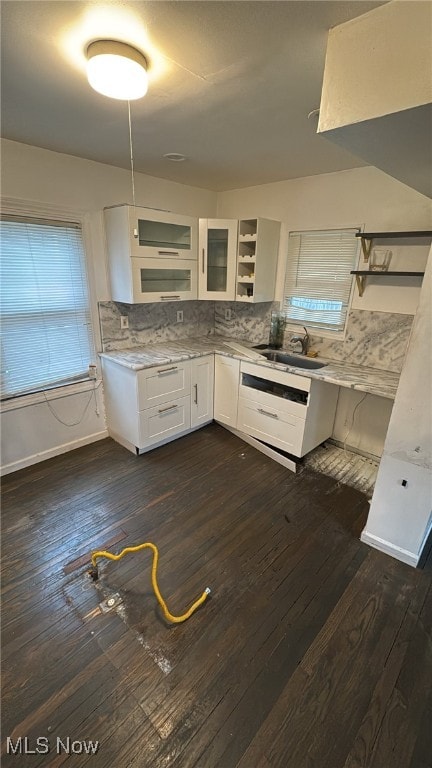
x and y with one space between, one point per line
304 341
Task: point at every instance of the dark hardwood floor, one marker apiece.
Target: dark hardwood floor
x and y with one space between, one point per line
313 649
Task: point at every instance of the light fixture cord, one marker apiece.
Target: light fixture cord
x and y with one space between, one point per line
131 155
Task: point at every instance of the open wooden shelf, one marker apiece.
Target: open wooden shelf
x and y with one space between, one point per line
392 235
367 238
362 274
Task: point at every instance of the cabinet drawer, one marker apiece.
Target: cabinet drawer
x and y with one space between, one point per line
164 421
271 425
162 383
281 377
271 401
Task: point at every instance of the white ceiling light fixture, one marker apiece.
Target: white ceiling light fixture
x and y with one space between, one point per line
117 70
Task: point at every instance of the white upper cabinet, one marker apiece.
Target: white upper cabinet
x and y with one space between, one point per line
258 246
217 253
143 232
152 255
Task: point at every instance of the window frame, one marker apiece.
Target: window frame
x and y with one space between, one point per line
294 325
32 209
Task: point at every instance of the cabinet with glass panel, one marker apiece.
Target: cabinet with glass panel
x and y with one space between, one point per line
152 255
217 259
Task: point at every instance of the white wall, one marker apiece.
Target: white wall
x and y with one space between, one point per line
362 197
376 98
389 48
400 515
36 174
31 432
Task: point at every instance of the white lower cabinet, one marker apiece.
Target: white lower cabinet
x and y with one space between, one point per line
227 372
284 410
202 386
152 406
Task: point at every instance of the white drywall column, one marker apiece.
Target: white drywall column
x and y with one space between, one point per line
401 510
377 90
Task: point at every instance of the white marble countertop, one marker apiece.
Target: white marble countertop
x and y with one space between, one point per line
361 378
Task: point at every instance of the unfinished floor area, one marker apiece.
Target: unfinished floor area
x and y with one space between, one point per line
313 649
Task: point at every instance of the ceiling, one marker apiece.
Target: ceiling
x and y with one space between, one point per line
231 86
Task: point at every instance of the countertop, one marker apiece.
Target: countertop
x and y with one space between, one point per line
361 378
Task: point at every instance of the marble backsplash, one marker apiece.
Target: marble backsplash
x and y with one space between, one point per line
151 323
248 321
374 339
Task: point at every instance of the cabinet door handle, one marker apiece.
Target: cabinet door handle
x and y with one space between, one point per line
170 298
203 258
196 394
267 413
135 233
166 370
168 408
168 253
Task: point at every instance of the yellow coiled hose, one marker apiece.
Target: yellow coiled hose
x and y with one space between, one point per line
148 545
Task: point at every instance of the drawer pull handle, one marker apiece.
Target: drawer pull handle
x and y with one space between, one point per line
168 253
196 394
168 408
267 413
167 370
170 298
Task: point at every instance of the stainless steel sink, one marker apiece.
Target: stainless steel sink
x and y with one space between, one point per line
296 360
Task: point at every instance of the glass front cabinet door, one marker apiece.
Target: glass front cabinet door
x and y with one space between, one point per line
163 280
152 255
217 251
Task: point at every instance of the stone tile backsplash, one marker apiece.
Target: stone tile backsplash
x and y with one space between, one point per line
248 321
375 339
151 323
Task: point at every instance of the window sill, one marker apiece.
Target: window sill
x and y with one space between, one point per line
35 398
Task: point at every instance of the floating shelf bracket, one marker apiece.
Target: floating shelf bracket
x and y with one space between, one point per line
360 280
366 245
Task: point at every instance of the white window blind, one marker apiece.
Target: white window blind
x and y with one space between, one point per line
46 332
317 278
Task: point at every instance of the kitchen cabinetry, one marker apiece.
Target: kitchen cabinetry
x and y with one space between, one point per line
367 240
202 386
153 406
148 407
152 255
257 256
217 259
227 372
289 412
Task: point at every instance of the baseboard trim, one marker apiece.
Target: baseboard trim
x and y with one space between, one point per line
390 549
57 451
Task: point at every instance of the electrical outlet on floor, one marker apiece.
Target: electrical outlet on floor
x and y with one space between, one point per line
179 315
227 314
124 321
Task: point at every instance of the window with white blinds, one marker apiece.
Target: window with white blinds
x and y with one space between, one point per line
317 278
46 331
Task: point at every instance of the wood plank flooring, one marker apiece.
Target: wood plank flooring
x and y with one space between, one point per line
312 651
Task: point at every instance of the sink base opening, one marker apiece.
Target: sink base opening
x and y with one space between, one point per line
349 468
